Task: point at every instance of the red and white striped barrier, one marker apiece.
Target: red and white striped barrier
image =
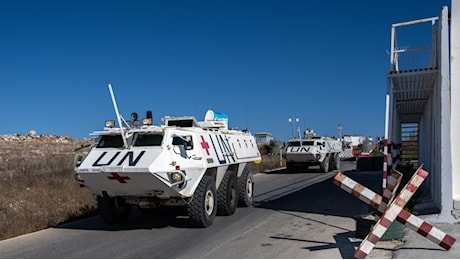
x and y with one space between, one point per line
367 195
385 164
390 214
389 192
395 211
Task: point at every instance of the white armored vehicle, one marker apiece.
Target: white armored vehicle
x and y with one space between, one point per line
311 150
200 165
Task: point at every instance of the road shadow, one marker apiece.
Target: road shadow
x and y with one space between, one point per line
311 169
326 198
342 243
157 219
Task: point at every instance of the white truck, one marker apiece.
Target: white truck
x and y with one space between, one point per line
200 165
311 150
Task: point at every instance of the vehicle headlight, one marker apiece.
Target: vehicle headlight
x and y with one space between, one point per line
78 159
176 177
77 177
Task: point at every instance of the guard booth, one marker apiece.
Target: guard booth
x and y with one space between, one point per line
422 120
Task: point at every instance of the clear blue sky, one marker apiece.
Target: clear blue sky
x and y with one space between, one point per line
260 62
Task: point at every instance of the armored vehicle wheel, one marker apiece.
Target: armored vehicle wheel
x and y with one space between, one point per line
332 163
202 209
245 188
113 210
227 195
336 162
324 165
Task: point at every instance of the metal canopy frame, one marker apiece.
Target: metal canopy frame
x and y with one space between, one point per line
411 90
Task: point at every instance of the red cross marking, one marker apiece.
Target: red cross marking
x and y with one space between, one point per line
115 176
205 145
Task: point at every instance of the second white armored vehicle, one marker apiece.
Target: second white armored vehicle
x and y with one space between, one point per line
311 150
200 165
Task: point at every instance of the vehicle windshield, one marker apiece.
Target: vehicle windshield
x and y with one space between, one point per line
110 141
294 143
149 139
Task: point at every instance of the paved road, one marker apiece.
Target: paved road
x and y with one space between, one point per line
296 215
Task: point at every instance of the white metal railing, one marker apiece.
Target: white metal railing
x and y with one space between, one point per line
410 57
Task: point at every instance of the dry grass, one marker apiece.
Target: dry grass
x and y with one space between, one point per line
268 163
36 188
37 201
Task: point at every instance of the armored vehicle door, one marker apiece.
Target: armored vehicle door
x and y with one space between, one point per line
185 149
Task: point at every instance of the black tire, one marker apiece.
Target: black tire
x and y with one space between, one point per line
227 195
203 207
336 162
324 165
332 162
246 188
113 210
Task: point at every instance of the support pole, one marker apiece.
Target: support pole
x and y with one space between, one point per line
118 115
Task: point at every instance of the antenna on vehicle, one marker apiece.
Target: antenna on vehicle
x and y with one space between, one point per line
118 115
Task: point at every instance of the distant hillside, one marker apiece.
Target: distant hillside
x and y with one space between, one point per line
41 152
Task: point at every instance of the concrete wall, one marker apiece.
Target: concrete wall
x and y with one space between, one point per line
455 100
445 119
437 128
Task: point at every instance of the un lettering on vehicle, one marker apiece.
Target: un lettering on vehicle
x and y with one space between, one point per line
220 149
298 149
104 159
